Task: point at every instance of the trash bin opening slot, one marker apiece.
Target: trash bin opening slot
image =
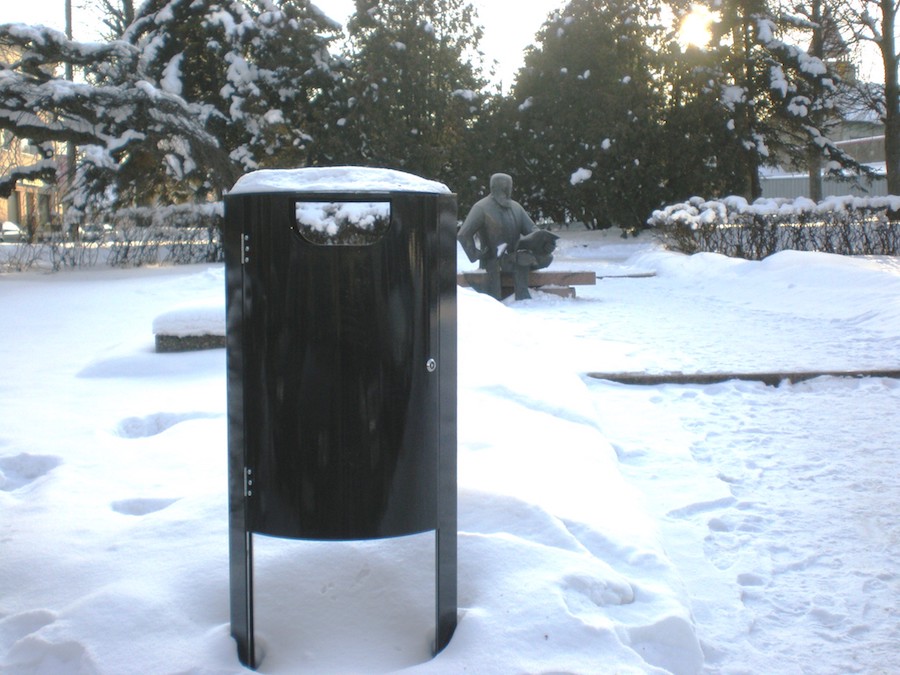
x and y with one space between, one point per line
342 223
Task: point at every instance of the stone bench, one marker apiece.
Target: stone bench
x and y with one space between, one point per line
191 327
546 281
188 343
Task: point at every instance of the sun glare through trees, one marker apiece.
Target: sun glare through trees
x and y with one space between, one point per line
694 30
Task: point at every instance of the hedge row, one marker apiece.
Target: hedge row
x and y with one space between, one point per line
165 236
733 227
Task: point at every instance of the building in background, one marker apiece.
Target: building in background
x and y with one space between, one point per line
34 205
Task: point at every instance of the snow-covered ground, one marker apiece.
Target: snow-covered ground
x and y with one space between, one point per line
729 528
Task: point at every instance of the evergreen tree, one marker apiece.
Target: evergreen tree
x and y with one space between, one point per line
590 101
743 84
815 18
261 73
195 93
414 90
497 147
775 91
107 121
699 155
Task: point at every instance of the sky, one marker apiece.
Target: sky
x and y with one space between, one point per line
506 33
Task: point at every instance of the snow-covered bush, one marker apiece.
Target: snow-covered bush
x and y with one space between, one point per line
179 234
732 226
16 257
168 235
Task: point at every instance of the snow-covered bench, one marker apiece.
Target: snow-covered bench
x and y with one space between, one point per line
191 327
557 282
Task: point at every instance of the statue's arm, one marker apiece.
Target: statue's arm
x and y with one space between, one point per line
466 234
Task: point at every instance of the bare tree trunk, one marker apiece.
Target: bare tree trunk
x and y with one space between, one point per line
814 163
813 153
745 117
70 146
891 97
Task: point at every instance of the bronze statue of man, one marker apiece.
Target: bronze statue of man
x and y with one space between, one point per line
501 236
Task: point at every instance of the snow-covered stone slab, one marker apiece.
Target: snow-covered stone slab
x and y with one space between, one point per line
191 327
335 179
772 379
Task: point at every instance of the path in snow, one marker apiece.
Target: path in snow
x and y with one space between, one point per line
777 504
707 312
651 325
792 567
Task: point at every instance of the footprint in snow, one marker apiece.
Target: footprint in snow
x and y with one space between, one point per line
17 626
585 595
32 649
151 425
751 579
141 506
40 654
19 470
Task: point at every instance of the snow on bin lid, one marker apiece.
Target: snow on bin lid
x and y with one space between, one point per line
335 179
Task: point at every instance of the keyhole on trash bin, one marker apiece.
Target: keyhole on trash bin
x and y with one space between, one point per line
431 365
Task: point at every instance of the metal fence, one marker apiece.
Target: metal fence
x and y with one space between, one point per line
797 185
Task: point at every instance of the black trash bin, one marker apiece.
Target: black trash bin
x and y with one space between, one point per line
341 315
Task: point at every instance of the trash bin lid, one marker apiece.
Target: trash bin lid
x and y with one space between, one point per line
349 179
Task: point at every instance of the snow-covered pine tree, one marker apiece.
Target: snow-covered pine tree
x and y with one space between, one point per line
590 102
776 91
698 154
108 120
195 93
415 86
260 72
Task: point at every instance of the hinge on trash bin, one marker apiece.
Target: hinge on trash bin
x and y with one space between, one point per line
248 482
245 255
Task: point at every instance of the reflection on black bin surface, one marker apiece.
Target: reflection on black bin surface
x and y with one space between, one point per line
341 288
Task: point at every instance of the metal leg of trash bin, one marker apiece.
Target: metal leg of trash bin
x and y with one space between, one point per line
446 587
447 520
241 574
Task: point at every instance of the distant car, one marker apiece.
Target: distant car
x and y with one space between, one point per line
9 231
95 232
